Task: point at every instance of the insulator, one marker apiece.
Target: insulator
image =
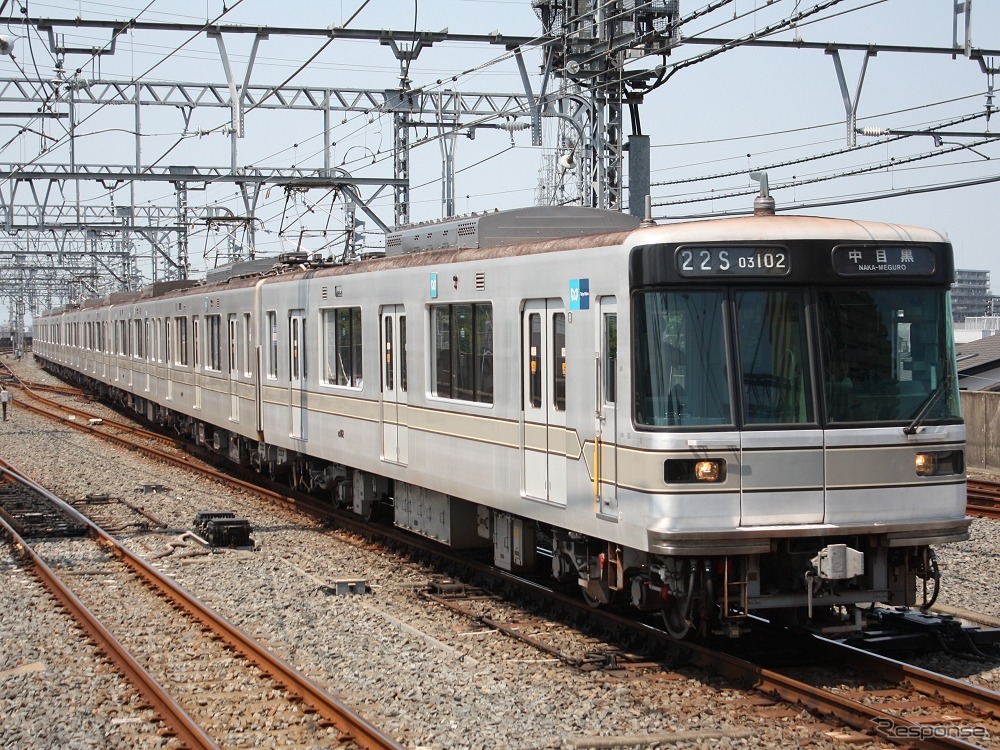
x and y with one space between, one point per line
874 131
513 125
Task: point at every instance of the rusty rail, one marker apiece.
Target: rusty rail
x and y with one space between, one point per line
351 725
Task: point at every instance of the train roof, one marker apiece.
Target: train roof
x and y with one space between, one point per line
548 229
737 229
777 228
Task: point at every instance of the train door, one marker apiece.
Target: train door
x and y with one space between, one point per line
297 407
606 432
234 369
543 433
781 429
395 433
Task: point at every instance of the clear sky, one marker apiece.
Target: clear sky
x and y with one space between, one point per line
710 124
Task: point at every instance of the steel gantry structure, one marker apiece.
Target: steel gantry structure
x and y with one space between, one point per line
599 59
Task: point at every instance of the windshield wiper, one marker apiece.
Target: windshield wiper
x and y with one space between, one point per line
918 420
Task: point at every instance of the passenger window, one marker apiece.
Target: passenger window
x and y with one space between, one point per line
463 352
342 335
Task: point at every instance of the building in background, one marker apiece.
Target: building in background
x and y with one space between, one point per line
970 294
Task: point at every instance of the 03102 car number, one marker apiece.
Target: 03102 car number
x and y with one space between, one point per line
739 261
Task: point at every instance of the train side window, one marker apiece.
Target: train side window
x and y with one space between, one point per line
462 353
559 361
214 358
342 342
182 340
272 344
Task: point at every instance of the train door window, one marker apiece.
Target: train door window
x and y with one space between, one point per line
402 353
293 339
297 345
195 341
150 339
388 383
166 341
248 349
234 333
559 361
272 344
610 356
774 357
182 340
535 360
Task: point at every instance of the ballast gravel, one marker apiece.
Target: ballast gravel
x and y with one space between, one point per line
411 667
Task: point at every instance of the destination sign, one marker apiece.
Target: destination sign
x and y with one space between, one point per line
883 260
732 261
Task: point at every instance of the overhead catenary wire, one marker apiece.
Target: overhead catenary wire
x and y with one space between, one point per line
380 158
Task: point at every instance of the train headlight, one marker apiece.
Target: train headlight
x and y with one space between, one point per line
925 464
691 470
707 471
939 463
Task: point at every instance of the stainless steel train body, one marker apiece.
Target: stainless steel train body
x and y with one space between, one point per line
707 418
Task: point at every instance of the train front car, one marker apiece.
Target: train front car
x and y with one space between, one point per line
794 379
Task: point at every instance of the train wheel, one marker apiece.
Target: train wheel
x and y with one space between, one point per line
674 620
597 593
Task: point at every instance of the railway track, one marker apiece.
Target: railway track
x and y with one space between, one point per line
209 682
886 700
983 499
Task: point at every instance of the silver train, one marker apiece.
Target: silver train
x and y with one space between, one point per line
706 419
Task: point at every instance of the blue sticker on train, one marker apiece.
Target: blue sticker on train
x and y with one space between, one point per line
434 285
579 294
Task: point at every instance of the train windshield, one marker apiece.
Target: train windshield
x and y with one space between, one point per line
773 347
682 372
887 355
878 355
